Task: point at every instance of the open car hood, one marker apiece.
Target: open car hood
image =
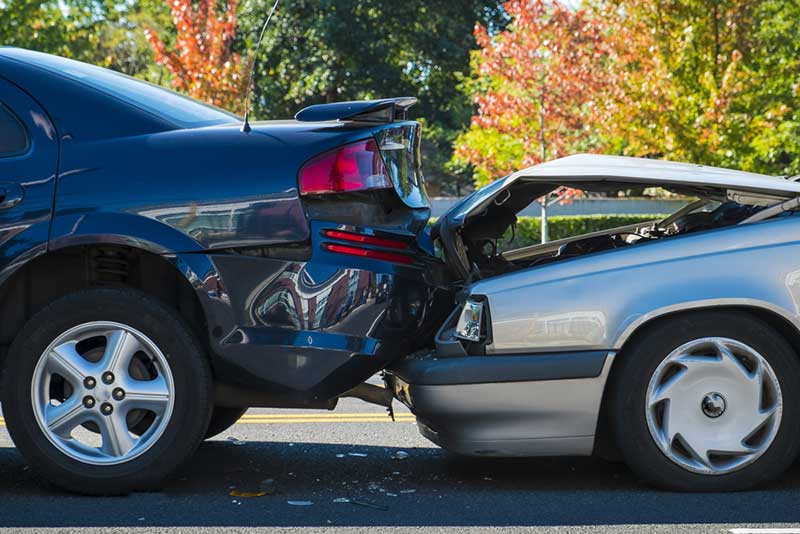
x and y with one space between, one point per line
488 212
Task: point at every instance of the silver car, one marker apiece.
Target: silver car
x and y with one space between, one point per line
673 344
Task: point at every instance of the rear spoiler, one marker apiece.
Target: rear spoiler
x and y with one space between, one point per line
383 110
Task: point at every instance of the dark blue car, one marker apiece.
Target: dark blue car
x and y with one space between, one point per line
161 270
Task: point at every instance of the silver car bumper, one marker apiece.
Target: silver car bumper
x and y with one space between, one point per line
520 405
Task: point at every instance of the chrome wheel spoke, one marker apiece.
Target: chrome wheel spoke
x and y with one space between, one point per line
117 440
65 361
120 349
705 407
66 416
151 395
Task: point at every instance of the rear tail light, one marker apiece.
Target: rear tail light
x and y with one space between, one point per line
354 167
365 239
367 253
395 256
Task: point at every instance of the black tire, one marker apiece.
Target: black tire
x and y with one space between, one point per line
637 364
192 391
222 418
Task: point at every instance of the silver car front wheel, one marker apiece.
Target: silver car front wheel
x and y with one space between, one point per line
714 405
706 401
102 393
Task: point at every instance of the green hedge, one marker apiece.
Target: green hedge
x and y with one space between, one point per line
529 229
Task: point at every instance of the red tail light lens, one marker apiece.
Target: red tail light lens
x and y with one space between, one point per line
354 167
366 253
365 239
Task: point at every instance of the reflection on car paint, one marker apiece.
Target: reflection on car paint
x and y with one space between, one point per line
296 301
264 219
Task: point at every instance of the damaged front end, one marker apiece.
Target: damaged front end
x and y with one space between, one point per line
499 405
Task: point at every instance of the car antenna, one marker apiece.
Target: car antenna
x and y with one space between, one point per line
246 124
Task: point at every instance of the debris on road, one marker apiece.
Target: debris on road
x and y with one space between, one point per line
358 454
247 494
374 486
235 441
400 455
300 503
370 505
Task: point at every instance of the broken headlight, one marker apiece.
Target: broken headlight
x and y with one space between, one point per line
470 321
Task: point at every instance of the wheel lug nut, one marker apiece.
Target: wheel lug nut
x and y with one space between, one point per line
89 382
108 377
118 394
106 408
88 401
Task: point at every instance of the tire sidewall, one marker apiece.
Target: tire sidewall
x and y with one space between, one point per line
191 405
639 364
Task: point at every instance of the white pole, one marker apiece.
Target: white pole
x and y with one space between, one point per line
543 204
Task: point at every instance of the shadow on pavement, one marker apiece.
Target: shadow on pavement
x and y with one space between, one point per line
430 488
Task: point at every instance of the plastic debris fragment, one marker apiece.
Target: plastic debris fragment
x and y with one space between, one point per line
247 494
400 455
235 441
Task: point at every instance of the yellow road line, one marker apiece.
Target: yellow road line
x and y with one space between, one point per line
324 418
302 421
320 415
318 419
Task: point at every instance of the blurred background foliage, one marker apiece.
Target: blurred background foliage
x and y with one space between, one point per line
501 84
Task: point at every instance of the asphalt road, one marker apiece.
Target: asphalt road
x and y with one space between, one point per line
337 469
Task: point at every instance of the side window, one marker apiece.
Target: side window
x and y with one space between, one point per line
13 137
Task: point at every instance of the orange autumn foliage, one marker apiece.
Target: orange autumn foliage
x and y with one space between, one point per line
203 63
555 82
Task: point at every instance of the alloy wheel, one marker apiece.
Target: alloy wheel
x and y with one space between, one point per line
102 393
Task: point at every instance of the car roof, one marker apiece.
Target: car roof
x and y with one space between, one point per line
163 106
659 173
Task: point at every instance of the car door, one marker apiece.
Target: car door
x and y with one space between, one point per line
28 167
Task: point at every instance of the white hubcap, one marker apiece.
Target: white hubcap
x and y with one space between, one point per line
713 405
102 393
